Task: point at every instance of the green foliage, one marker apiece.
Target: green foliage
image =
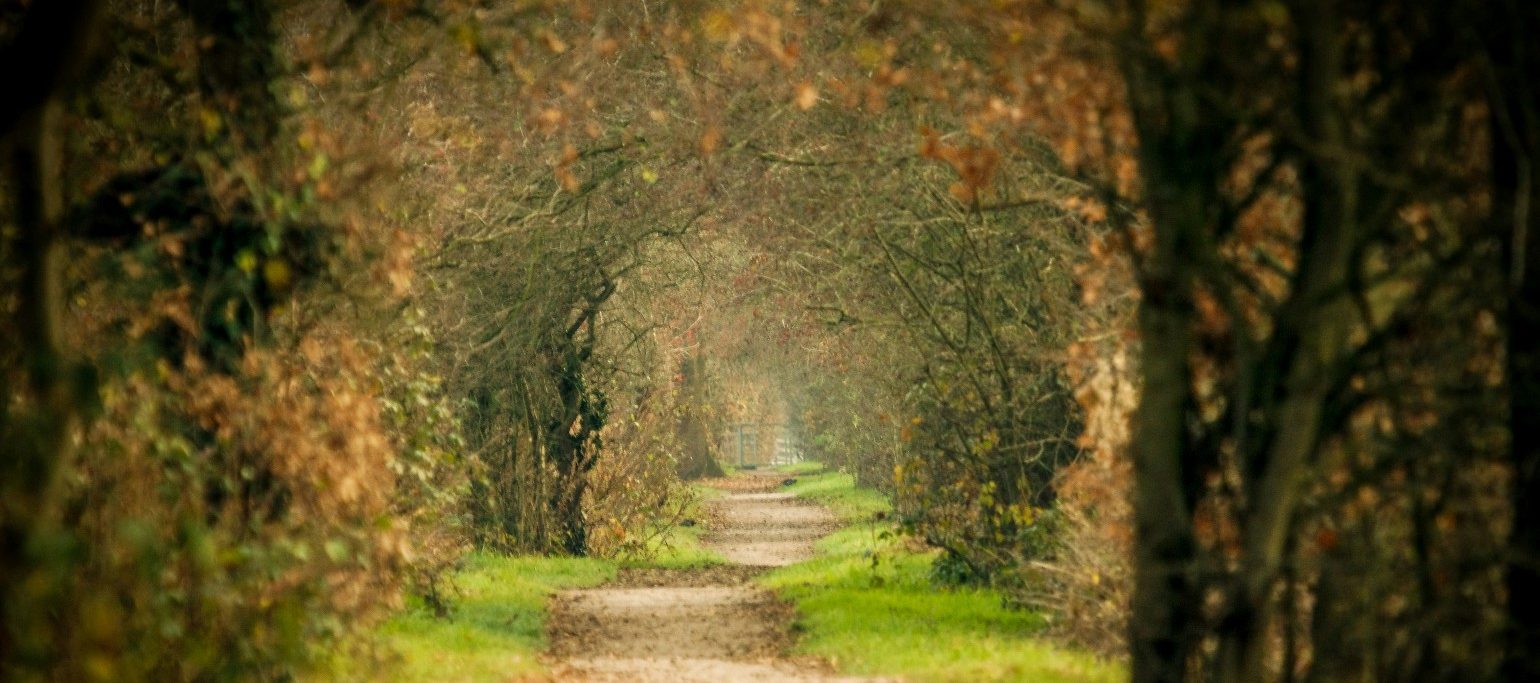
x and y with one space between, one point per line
432 472
259 467
837 491
867 602
802 468
951 569
943 326
671 544
675 547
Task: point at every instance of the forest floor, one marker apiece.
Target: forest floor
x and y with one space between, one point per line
700 624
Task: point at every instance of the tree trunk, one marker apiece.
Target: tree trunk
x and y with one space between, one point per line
1309 338
1177 155
693 433
1166 602
1515 114
54 45
36 440
1165 594
579 417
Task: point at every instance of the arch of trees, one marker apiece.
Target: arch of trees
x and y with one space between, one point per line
1210 327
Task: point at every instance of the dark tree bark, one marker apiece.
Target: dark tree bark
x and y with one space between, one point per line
567 445
55 45
572 432
1205 604
1515 120
1178 153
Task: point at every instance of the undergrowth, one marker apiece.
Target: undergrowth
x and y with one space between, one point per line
679 546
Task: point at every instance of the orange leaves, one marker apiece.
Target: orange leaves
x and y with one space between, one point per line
711 141
805 95
1089 209
752 25
553 42
1327 540
550 119
395 267
1212 317
1125 171
975 165
563 170
606 46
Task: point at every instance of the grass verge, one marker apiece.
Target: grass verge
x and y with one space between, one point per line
679 547
498 624
867 604
497 629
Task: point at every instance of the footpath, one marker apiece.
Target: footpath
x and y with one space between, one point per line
703 625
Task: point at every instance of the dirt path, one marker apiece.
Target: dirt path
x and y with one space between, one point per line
708 625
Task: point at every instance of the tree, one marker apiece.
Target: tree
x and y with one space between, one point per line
1356 158
1515 126
57 42
196 444
1298 186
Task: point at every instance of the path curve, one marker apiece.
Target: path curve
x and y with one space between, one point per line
710 625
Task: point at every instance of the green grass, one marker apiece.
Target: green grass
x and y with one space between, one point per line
837 491
804 467
498 624
679 547
703 493
497 628
866 603
676 548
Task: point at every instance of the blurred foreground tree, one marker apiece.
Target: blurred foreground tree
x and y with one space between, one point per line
1304 193
57 43
1302 189
1514 105
203 473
